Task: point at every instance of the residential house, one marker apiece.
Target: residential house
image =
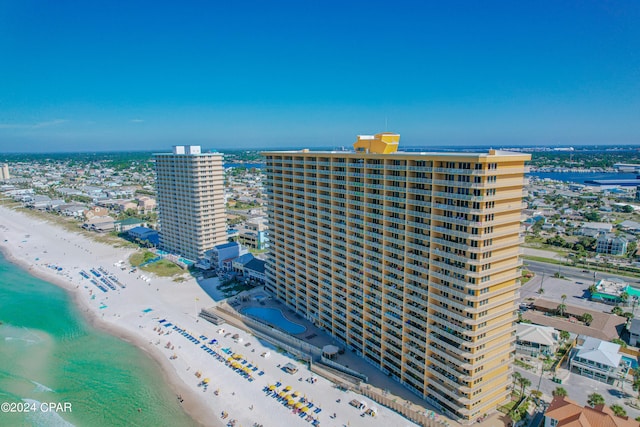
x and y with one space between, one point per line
255 270
144 234
146 204
96 211
222 256
101 224
593 229
564 412
598 360
535 340
39 202
71 209
634 333
611 244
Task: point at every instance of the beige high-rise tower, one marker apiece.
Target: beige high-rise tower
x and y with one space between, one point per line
4 172
409 259
191 210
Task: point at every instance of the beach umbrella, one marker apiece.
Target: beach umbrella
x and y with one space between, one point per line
287 388
299 405
206 380
296 394
291 402
305 409
272 387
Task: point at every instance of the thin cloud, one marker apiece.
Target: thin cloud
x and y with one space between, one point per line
49 123
13 126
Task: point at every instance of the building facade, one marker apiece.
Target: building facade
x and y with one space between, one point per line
4 172
190 198
611 244
409 259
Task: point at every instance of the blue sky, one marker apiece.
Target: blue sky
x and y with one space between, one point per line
115 75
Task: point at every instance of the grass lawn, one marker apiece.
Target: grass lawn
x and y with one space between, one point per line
140 257
163 268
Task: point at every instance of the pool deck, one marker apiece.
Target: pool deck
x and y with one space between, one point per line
319 338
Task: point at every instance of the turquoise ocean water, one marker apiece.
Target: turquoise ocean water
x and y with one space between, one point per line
48 353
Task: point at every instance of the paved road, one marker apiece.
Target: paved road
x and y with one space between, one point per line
572 272
575 285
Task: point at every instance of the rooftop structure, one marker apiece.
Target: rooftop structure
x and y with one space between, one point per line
565 412
409 259
190 197
597 359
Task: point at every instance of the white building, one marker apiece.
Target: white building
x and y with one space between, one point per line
191 211
599 360
4 172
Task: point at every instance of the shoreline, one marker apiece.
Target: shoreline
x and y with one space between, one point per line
163 323
191 406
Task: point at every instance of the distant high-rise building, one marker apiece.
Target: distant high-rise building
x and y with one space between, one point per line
190 198
4 172
409 259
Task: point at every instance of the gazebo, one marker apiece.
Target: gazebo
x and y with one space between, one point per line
329 351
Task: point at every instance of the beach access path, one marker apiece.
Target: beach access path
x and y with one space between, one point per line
133 307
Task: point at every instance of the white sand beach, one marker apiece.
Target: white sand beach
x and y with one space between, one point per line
134 312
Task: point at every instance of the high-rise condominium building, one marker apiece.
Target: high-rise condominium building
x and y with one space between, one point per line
409 259
4 171
190 187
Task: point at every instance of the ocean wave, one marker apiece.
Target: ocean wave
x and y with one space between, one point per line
41 388
45 419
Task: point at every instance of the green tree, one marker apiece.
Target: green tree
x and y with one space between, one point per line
595 399
636 381
523 383
516 378
561 309
624 296
593 289
618 411
619 342
617 311
559 391
587 318
627 209
564 335
592 216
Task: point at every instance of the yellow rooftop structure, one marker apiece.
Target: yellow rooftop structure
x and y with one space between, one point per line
380 143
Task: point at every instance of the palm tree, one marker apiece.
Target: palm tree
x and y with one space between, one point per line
618 411
561 309
636 381
524 383
624 297
587 318
595 399
564 335
563 298
516 378
617 311
559 391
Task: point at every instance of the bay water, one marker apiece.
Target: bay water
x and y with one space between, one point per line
50 354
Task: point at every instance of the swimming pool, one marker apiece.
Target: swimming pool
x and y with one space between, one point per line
633 363
274 317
